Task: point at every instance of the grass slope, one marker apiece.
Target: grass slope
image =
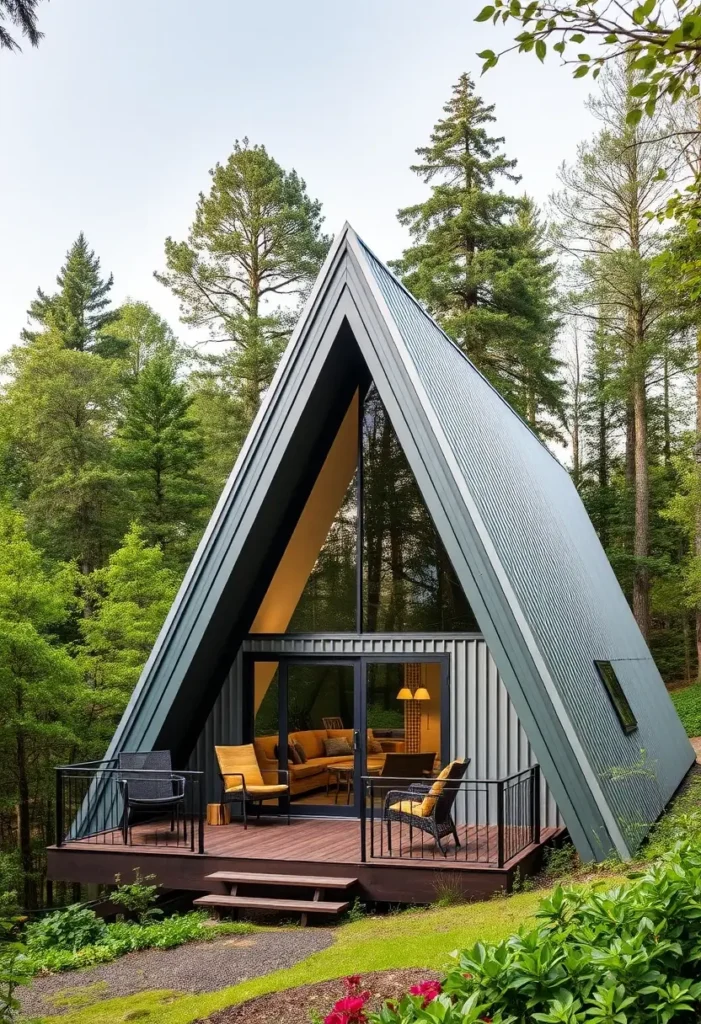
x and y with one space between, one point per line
415 938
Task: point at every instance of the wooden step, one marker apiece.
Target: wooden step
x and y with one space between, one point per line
264 903
294 881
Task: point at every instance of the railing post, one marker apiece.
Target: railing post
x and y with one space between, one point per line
535 796
201 800
500 823
363 818
59 807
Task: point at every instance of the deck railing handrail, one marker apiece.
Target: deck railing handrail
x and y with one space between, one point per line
510 805
89 813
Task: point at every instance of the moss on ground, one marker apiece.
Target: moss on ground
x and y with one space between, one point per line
412 938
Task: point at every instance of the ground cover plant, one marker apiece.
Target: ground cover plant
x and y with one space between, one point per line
687 701
76 937
627 954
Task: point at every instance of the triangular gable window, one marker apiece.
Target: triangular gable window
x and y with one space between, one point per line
408 582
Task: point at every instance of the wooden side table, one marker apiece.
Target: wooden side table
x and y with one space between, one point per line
214 814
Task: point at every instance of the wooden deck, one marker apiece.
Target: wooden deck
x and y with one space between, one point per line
325 846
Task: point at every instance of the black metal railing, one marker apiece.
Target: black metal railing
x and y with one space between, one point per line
90 801
493 820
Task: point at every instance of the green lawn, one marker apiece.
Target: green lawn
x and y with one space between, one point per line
414 938
687 701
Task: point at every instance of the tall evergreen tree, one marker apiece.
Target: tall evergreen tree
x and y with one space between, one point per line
253 249
78 312
23 14
478 260
160 447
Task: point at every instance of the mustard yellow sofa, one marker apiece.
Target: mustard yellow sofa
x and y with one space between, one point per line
314 773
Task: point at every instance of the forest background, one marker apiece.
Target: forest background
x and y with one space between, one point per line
117 434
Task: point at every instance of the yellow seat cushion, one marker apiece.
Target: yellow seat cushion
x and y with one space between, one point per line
237 761
409 807
262 790
431 798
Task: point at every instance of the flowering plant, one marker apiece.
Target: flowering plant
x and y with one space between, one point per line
350 1009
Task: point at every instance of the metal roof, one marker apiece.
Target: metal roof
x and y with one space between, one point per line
531 565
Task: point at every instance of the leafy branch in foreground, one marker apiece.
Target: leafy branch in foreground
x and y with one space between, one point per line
662 41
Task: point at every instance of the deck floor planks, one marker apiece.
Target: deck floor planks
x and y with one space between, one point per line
331 840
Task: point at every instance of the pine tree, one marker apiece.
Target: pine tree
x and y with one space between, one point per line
160 448
23 14
78 313
478 260
131 598
39 686
253 249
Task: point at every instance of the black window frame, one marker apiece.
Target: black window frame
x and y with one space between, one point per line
617 696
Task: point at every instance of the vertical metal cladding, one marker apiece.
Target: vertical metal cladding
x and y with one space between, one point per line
223 727
561 579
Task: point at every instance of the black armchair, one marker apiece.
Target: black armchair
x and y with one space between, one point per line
427 806
148 783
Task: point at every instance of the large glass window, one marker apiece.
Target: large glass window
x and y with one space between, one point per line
408 582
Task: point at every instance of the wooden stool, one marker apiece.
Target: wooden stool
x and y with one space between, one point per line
214 814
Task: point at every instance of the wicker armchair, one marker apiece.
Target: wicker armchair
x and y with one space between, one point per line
148 783
427 806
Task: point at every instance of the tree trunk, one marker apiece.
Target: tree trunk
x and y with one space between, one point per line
23 822
641 540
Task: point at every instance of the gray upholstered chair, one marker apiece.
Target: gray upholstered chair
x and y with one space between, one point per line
427 806
148 784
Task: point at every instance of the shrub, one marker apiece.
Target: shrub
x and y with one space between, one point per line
626 955
68 929
12 970
137 897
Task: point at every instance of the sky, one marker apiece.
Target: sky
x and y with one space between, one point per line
111 125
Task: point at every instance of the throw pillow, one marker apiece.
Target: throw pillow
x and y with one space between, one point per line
299 750
430 801
292 755
374 746
337 747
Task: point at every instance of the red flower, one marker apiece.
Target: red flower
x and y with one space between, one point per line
336 1018
428 989
352 982
352 1004
487 1020
467 975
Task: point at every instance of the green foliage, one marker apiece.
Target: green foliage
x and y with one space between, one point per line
687 702
625 955
67 930
137 897
22 14
115 940
12 970
160 448
254 246
479 260
142 333
77 314
130 598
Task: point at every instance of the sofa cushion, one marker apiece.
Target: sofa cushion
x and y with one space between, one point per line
334 746
303 771
292 754
300 755
265 748
311 741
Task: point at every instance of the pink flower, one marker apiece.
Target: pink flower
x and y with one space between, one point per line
428 989
352 982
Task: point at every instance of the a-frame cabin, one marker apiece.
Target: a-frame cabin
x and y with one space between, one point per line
398 573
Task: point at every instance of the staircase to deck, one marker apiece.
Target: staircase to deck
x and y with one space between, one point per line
233 899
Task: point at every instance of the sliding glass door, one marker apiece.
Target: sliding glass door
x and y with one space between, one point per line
329 722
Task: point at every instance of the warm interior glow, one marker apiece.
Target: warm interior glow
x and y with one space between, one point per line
291 575
422 694
405 694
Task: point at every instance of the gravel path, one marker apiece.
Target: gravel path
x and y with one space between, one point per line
193 967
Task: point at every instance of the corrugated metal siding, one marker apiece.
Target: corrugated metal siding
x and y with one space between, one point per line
223 727
561 579
483 723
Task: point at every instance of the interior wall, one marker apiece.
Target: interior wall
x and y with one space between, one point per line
431 709
287 585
